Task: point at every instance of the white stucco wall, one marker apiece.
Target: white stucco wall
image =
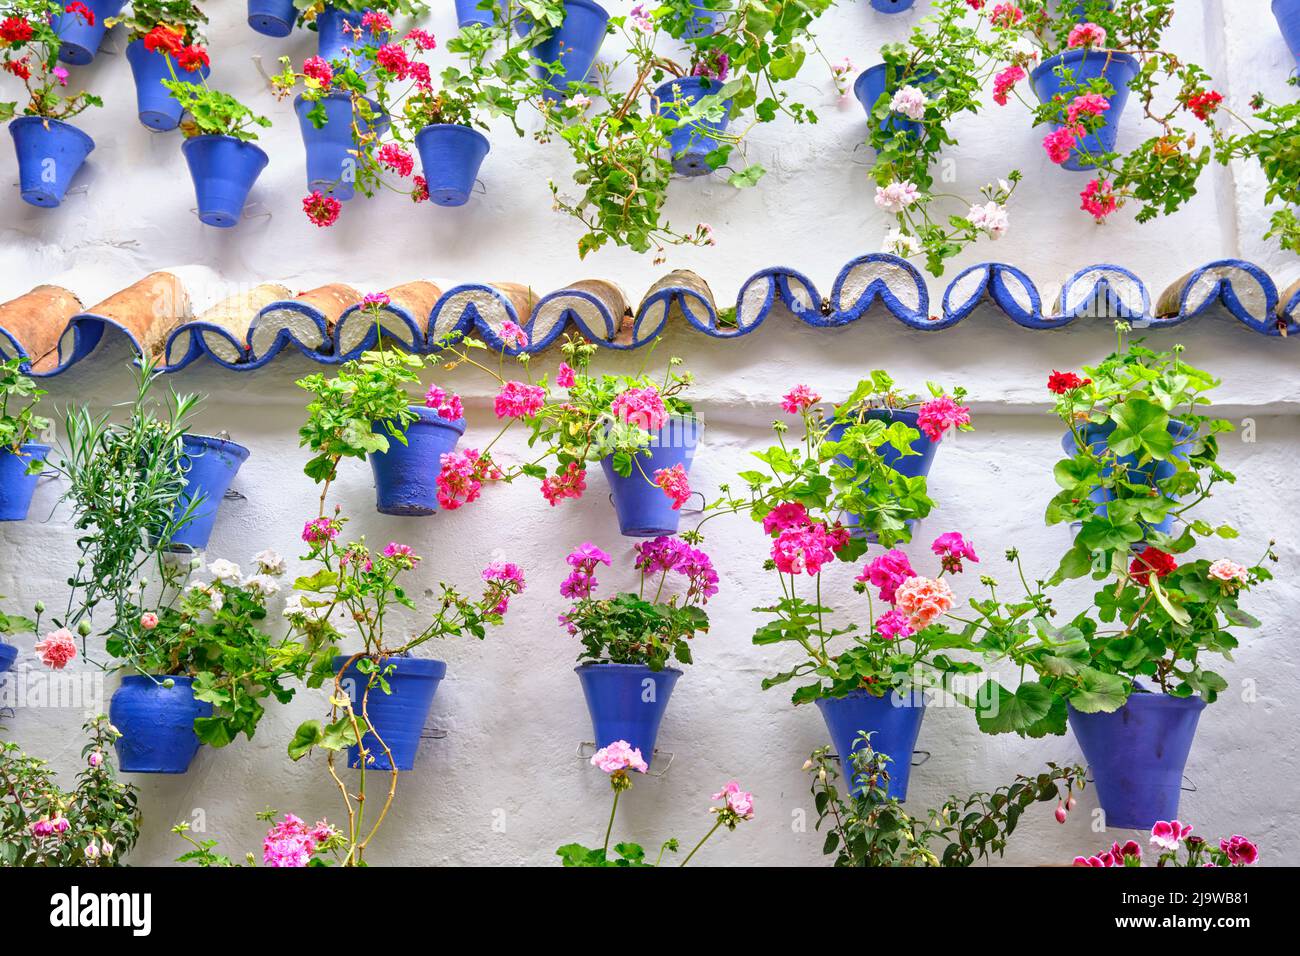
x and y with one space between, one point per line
511 707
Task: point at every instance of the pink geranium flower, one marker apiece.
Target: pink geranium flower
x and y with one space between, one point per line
58 648
620 755
952 548
1086 34
923 600
799 398
675 484
938 415
1005 82
894 625
887 572
565 377
1170 833
519 400
1059 144
446 404
1240 850
739 802
789 514
642 407
571 483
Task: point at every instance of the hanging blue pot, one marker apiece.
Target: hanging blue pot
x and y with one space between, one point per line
223 169
574 43
331 149
691 144
1137 755
398 718
644 511
80 39
450 157
210 465
50 152
873 83
627 702
1080 11
16 485
157 724
337 34
704 22
8 654
156 106
272 18
467 12
1287 13
1097 436
909 466
894 722
406 475
892 6
1119 69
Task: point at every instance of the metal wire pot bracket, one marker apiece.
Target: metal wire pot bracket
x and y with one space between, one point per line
252 210
924 755
587 748
1189 788
684 510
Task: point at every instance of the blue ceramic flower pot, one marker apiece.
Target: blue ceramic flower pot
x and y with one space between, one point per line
644 511
1287 13
909 466
406 475
894 722
450 157
155 105
704 22
693 142
157 724
16 485
49 154
81 39
467 12
8 654
872 84
336 32
224 170
331 149
210 466
1137 755
892 6
398 718
1082 66
1097 437
272 18
627 702
1080 10
574 43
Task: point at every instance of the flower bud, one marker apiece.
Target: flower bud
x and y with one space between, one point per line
40 607
1060 813
83 628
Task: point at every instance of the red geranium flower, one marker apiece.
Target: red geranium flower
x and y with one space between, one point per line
15 30
1204 103
80 9
192 58
163 39
19 68
1062 382
1152 560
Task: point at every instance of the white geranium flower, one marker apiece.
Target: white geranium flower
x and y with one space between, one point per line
902 245
269 561
263 584
227 572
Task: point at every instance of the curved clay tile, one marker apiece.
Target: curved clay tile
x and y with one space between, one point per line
35 322
681 295
307 320
149 309
222 330
404 318
597 306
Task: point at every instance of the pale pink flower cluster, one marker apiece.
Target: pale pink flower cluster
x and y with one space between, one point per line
519 400
938 415
896 197
991 218
1229 572
620 755
899 243
910 102
291 843
798 399
57 649
740 802
924 600
675 484
643 407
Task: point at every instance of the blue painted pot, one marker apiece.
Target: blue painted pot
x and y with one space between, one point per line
1080 11
398 718
1287 13
467 12
894 723
331 149
8 654
892 6
16 485
406 475
450 157
80 39
1119 69
155 105
644 511
49 154
1137 755
1097 436
157 724
691 143
909 466
575 42
704 22
210 466
336 31
627 702
272 18
872 84
223 169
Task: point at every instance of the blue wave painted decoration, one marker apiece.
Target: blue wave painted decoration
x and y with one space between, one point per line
48 329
